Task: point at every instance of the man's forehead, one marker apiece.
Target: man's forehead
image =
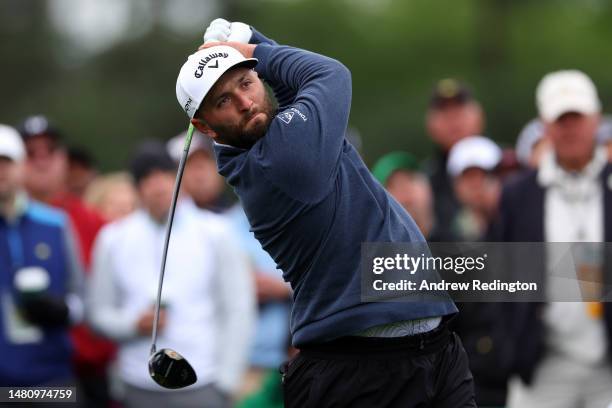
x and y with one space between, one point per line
401 175
452 105
41 140
226 80
561 120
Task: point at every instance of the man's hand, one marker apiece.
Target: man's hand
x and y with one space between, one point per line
270 288
221 30
145 323
240 32
245 49
218 30
46 311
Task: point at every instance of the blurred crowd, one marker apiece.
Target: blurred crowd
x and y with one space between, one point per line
80 253
554 185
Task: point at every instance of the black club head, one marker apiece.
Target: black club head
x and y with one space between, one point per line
170 370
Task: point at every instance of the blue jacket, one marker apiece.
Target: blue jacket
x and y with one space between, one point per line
38 237
311 201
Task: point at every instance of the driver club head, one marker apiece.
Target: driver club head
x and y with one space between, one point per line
170 370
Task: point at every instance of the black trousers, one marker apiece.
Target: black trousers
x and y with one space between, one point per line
427 370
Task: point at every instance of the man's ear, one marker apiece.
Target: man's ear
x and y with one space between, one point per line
204 128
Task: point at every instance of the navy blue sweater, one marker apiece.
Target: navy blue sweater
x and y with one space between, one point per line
311 201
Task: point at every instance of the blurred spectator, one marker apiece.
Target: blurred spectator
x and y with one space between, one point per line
453 114
271 338
354 137
201 181
269 395
531 144
208 295
41 280
113 195
604 134
81 170
399 173
45 179
472 163
562 349
46 163
508 165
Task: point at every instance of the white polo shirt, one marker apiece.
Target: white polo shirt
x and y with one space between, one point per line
208 293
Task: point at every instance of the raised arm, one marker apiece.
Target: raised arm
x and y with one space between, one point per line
305 139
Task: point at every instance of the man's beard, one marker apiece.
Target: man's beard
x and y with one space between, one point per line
239 135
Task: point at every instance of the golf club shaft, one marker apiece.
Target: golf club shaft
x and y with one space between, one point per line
177 187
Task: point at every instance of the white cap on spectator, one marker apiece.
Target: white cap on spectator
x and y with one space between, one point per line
566 91
531 134
473 151
199 141
604 132
11 144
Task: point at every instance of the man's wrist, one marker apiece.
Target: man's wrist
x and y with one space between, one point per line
262 52
249 50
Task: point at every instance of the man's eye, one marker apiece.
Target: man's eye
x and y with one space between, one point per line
247 83
222 102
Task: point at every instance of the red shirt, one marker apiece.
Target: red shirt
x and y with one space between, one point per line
92 353
86 222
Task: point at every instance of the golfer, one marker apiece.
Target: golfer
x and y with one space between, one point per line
311 203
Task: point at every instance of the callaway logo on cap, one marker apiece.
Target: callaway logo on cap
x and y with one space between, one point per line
202 70
202 64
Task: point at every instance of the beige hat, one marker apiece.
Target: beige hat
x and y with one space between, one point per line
566 91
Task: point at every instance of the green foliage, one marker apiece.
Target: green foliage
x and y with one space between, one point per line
396 50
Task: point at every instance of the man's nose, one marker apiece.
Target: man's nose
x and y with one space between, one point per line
244 102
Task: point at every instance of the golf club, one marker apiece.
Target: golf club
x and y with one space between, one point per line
167 367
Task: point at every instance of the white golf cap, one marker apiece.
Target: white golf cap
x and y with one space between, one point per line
202 70
530 135
473 151
566 91
11 145
604 132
